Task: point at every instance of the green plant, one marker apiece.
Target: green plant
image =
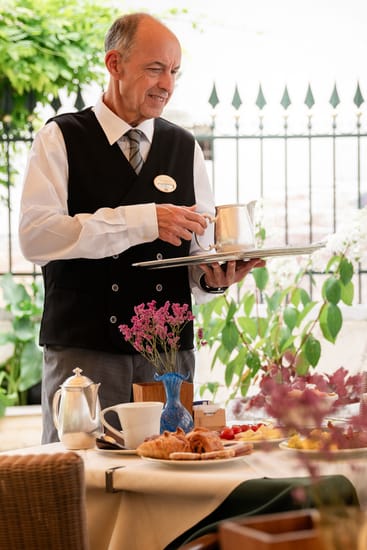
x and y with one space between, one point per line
47 46
22 368
274 323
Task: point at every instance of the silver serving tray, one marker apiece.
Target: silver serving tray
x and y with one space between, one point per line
221 257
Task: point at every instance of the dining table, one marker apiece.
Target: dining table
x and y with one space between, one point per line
138 504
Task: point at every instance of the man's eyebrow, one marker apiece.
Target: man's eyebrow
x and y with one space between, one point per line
161 64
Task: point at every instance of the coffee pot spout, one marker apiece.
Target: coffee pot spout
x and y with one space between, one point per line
91 395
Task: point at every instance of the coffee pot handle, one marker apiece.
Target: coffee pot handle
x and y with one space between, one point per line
55 408
120 434
211 219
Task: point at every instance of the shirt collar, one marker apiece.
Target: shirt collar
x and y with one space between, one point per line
114 127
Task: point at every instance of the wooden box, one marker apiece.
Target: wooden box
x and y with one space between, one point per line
154 391
212 421
295 530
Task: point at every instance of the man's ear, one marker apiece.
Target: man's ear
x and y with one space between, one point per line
113 63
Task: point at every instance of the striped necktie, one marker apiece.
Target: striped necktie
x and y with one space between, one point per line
135 158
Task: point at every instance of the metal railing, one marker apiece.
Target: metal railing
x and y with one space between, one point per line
310 174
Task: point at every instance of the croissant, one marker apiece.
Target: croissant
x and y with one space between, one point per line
202 440
165 444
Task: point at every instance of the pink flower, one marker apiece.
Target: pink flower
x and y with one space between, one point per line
155 332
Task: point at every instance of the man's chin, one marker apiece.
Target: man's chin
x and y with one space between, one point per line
154 111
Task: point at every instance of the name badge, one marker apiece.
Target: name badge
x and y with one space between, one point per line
164 183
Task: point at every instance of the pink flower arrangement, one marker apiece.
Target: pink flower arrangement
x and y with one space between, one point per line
155 332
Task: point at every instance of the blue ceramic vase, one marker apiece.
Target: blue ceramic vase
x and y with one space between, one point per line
174 414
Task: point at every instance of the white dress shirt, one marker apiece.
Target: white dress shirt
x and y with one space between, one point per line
47 232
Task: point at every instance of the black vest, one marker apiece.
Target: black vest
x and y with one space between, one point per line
86 300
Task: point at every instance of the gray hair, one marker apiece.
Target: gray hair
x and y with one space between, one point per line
121 34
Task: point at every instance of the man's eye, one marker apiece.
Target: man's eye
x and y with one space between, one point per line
154 69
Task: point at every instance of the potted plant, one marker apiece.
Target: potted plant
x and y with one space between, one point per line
155 334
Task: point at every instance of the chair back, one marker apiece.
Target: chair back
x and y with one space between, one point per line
42 502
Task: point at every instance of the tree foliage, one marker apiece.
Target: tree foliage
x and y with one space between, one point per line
45 46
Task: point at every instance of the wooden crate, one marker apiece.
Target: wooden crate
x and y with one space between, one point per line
294 530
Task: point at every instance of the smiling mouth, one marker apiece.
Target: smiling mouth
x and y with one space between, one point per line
159 98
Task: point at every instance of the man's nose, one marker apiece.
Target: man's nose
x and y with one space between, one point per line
167 81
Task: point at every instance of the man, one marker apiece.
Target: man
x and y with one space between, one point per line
87 215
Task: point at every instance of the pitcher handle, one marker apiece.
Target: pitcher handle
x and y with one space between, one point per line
55 408
120 434
211 219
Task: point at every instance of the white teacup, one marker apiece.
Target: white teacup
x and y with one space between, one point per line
138 420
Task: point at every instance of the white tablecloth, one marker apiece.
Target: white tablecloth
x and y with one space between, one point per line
156 503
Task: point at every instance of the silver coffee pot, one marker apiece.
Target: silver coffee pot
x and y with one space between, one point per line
233 228
76 412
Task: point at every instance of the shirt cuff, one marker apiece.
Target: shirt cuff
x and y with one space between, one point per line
142 224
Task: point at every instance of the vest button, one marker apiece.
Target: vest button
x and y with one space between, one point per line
159 287
159 256
113 319
115 256
115 287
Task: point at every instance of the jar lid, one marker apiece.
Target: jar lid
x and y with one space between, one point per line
77 380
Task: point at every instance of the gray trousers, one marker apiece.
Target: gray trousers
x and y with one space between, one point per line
115 372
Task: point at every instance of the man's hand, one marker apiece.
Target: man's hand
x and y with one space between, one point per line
217 275
179 222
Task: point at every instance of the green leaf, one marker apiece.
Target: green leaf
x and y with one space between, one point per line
312 350
23 328
248 303
347 294
333 261
261 276
262 326
331 290
30 366
231 310
331 321
273 301
304 295
229 373
346 271
223 354
302 364
248 326
281 336
241 361
245 386
13 293
253 362
287 343
230 336
290 315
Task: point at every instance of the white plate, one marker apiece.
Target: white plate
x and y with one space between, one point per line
255 442
117 451
290 250
258 443
195 463
339 454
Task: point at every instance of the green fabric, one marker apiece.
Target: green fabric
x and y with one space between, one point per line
272 495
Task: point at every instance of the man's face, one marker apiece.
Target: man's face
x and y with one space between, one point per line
147 78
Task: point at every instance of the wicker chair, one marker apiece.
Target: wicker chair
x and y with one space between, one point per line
42 502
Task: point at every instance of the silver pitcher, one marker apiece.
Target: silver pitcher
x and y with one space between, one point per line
76 412
233 227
